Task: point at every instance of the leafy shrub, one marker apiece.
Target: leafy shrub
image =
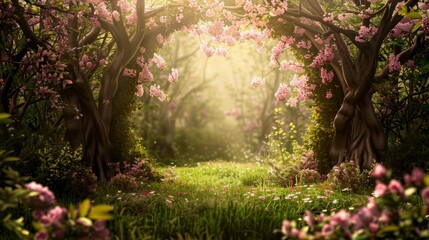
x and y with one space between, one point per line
122 182
62 170
345 176
50 221
386 216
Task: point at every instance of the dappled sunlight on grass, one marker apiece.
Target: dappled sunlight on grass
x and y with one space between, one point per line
221 199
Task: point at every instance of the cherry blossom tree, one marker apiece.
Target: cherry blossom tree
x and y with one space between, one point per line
349 37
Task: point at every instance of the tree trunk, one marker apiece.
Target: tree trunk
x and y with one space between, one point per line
358 134
98 148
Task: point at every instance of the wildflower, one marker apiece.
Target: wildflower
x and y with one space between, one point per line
41 235
378 172
43 199
380 189
425 195
341 219
417 175
396 187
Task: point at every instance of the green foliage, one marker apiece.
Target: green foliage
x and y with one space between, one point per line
122 182
290 162
124 141
11 195
61 169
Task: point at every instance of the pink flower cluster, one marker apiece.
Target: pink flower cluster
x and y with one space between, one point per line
326 76
283 92
154 91
394 64
173 76
54 220
159 61
140 90
379 218
257 81
324 56
42 198
366 33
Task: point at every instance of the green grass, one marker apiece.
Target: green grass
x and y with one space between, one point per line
217 200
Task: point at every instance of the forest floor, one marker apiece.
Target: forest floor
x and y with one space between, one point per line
218 200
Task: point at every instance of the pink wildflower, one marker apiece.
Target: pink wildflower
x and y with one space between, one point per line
395 187
425 195
379 171
380 189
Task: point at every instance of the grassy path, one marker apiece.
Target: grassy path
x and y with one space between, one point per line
218 200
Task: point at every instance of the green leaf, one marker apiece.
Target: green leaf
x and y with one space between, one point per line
417 26
101 212
410 191
403 11
84 207
5 118
426 179
413 15
11 159
85 221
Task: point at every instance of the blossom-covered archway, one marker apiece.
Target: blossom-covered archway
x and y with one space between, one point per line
87 49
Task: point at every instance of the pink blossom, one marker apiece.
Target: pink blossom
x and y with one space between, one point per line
286 227
116 15
257 81
379 171
327 230
328 95
160 38
309 219
417 175
423 6
395 187
129 73
159 61
248 6
140 90
407 179
394 64
41 235
323 57
425 195
283 92
380 189
222 52
173 76
326 76
208 51
154 91
342 219
145 75
43 200
89 65
366 33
